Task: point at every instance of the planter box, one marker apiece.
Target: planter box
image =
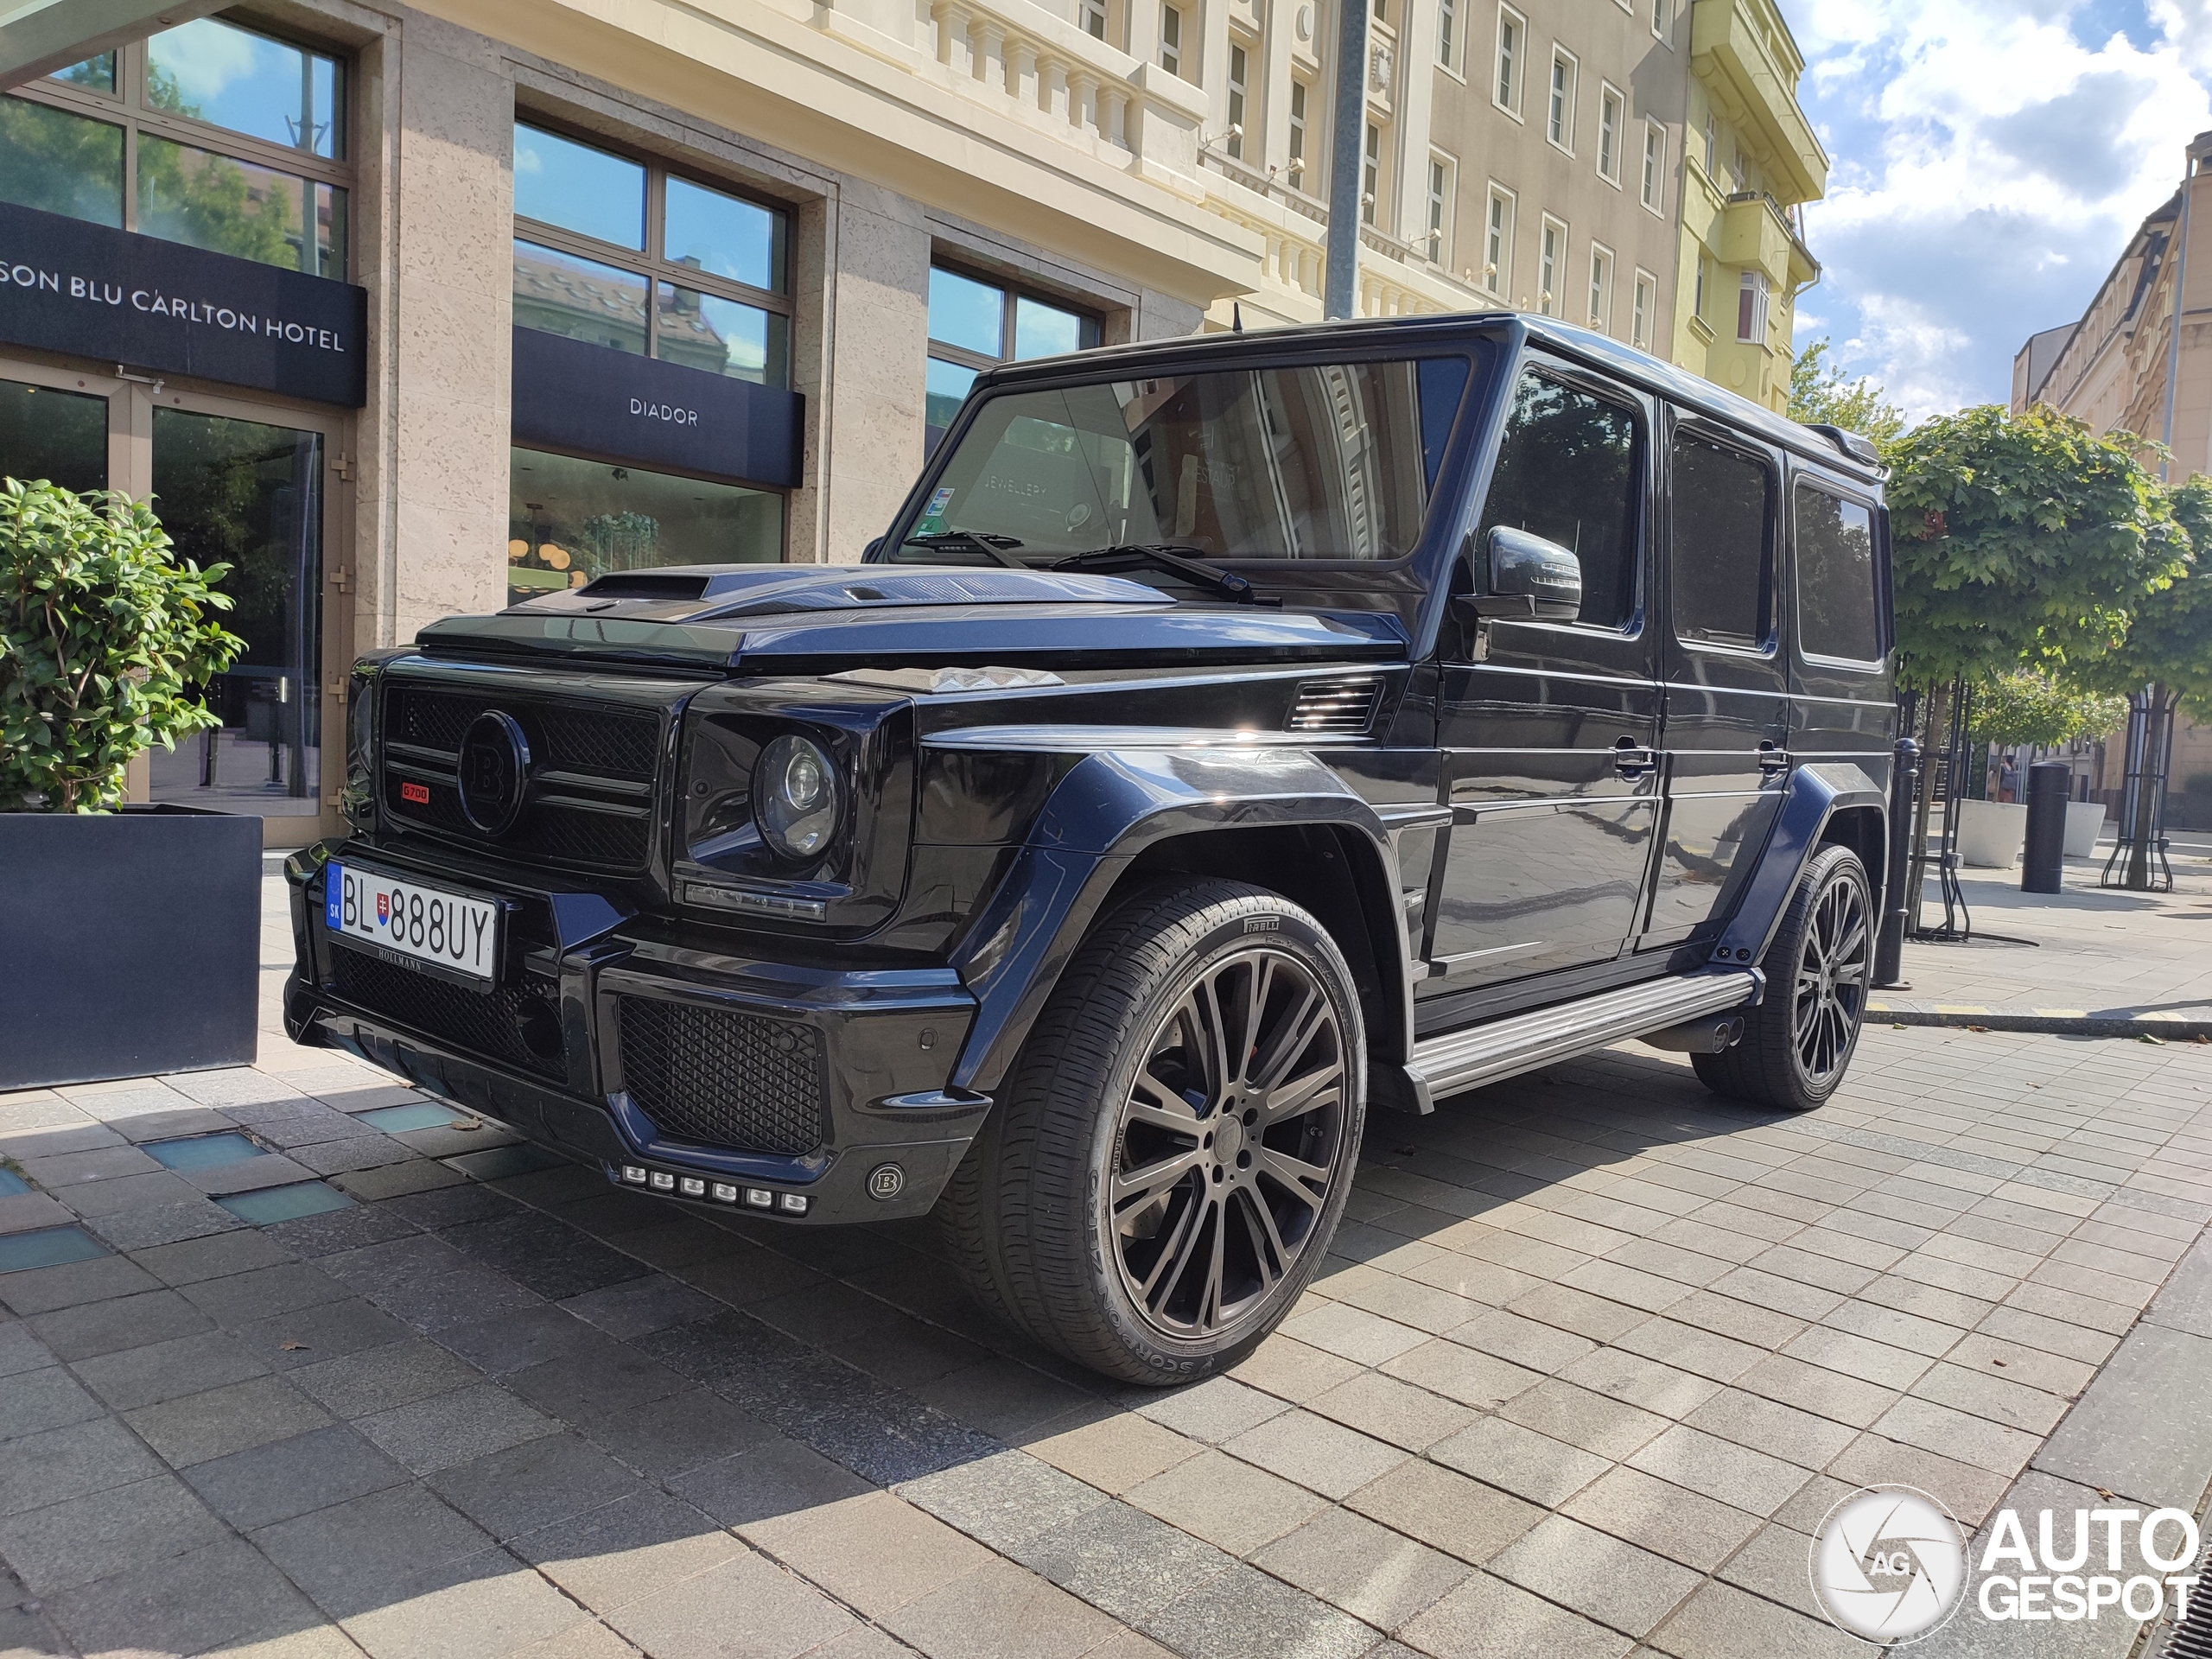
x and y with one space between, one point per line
1992 834
2085 822
132 942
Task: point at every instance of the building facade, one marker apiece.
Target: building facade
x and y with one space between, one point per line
406 310
2139 361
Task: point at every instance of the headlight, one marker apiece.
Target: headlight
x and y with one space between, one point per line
795 797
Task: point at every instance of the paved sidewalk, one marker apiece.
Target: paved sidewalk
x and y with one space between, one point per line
1594 1354
2089 960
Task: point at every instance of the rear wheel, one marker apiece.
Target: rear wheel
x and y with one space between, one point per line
1798 1042
1175 1146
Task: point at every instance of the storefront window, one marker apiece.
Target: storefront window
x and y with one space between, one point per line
211 135
60 437
557 293
970 321
599 236
60 163
569 520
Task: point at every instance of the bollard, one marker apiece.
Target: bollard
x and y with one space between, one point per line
1897 904
2042 870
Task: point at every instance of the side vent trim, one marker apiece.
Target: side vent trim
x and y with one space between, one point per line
1344 708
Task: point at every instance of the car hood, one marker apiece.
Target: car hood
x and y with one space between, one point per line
775 619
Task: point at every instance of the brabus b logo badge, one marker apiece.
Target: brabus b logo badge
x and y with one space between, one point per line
494 770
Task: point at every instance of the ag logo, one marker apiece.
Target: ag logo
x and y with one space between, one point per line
494 769
887 1181
1889 1564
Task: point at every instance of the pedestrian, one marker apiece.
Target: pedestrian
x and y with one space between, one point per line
2008 781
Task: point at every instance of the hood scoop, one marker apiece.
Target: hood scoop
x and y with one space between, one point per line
734 593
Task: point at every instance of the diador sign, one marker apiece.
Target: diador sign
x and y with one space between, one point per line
94 291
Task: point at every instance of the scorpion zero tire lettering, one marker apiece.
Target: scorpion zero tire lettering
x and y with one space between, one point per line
1175 1145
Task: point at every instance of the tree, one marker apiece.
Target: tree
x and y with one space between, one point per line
2016 540
1819 396
2165 656
2019 539
2028 707
104 636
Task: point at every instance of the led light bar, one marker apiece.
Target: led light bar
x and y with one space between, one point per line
698 1186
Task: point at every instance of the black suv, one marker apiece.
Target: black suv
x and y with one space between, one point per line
1229 735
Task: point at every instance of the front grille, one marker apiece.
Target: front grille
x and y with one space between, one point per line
589 801
486 1023
1336 707
720 1078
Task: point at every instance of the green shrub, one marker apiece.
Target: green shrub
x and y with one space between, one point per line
106 640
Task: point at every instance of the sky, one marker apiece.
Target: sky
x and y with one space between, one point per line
1988 160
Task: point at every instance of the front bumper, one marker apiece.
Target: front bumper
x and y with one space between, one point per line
542 1055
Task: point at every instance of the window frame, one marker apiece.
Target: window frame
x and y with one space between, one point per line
1171 40
1442 203
1239 95
1651 183
1509 62
1297 129
1561 100
1753 285
1370 176
1551 259
1498 260
1700 428
1612 128
1640 314
1663 19
1012 294
1642 412
1450 39
652 262
1601 284
1805 478
126 108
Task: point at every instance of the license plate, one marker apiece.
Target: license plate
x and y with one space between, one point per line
428 924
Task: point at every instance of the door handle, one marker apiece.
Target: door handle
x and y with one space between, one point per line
1773 757
1633 760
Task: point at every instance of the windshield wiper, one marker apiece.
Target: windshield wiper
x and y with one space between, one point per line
998 549
1167 556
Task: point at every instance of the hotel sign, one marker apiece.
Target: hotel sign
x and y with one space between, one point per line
143 303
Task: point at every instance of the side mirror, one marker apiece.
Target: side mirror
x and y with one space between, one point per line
868 553
1528 570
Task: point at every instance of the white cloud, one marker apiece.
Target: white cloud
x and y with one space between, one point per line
1991 159
207 57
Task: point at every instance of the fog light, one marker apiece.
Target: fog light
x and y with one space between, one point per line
634 1173
794 1203
759 1197
692 1187
725 1194
663 1181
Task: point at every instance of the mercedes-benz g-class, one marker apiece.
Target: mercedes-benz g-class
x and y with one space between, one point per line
1229 735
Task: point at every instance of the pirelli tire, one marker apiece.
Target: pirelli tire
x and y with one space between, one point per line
1797 1043
1175 1147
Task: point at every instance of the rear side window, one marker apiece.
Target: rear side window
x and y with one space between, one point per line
1836 608
1567 470
1720 555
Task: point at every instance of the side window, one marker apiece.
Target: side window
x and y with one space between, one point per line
1720 550
1836 606
1567 470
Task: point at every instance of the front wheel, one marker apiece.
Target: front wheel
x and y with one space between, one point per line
1175 1145
1798 1042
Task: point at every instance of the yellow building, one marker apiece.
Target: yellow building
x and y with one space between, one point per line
1752 162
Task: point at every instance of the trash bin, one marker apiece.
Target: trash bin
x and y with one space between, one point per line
2043 865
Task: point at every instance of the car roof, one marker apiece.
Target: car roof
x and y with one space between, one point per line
1823 445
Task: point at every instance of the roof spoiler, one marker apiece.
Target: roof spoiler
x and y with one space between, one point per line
1857 445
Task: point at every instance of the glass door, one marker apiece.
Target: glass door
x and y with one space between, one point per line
250 494
52 434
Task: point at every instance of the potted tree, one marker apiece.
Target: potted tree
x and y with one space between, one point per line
2028 709
130 934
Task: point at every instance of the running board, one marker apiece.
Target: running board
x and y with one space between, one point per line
1505 1048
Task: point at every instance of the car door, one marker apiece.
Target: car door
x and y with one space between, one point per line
1842 707
1724 730
1548 727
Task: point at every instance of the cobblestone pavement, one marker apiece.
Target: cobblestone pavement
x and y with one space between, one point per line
1594 1355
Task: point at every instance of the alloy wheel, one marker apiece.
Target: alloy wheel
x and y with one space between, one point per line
1228 1144
1833 974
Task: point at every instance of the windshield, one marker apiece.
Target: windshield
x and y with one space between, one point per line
1314 462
